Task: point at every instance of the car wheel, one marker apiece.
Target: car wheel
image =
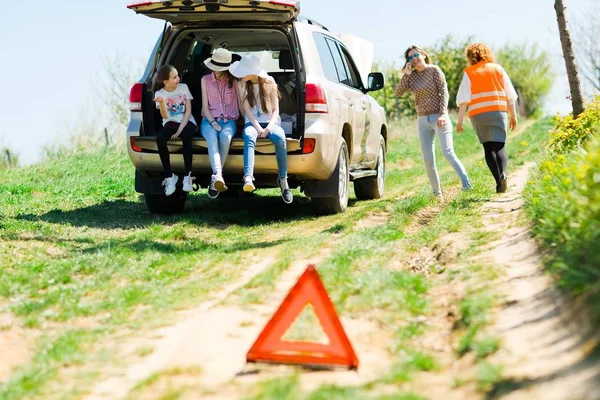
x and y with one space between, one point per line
373 187
165 205
339 203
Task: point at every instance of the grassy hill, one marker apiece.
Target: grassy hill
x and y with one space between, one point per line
82 261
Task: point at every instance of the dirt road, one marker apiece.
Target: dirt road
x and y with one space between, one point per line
545 341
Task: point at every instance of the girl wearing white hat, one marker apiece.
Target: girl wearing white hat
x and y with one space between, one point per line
220 109
260 102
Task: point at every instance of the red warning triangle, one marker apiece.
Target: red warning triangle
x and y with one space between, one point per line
269 347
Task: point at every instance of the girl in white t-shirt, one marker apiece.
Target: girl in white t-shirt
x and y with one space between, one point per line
260 100
173 99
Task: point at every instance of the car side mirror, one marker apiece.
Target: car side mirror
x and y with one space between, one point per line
376 81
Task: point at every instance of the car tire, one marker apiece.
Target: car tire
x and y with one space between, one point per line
373 187
337 204
166 205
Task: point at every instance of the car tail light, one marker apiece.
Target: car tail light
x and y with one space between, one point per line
134 146
309 146
135 97
315 99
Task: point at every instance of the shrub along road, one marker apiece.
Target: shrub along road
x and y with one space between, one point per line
99 299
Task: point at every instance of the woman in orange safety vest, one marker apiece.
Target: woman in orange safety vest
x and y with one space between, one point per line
490 96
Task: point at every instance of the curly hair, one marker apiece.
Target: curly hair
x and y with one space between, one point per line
479 52
420 51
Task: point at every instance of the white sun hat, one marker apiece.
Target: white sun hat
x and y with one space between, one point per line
248 65
220 60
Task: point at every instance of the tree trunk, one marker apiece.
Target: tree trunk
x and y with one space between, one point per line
521 103
569 56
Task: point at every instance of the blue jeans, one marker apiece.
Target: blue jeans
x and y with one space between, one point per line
277 136
428 129
218 142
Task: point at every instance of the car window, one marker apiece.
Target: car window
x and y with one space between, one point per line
339 63
352 72
327 62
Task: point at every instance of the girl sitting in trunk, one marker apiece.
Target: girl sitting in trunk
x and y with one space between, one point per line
260 99
220 110
173 99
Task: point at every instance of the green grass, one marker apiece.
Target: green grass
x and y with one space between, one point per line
53 353
488 375
82 260
475 315
288 388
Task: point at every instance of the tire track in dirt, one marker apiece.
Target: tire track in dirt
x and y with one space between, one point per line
214 338
174 339
546 337
15 344
219 336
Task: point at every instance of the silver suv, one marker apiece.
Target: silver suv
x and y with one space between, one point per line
336 133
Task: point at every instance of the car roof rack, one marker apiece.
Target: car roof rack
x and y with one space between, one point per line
309 21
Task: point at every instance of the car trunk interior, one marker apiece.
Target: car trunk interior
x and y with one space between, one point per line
187 52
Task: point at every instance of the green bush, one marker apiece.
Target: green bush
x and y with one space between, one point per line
571 133
563 201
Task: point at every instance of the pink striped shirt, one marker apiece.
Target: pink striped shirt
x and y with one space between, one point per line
222 99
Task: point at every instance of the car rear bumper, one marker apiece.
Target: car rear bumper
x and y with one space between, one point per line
317 165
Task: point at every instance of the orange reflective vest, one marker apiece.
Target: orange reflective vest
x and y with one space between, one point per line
487 88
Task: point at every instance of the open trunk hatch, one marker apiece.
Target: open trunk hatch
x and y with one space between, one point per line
181 11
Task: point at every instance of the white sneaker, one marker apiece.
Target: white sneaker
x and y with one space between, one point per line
219 183
188 182
169 184
248 184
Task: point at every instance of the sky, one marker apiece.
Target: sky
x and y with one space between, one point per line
52 52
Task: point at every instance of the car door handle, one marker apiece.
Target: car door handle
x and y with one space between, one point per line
350 103
364 105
